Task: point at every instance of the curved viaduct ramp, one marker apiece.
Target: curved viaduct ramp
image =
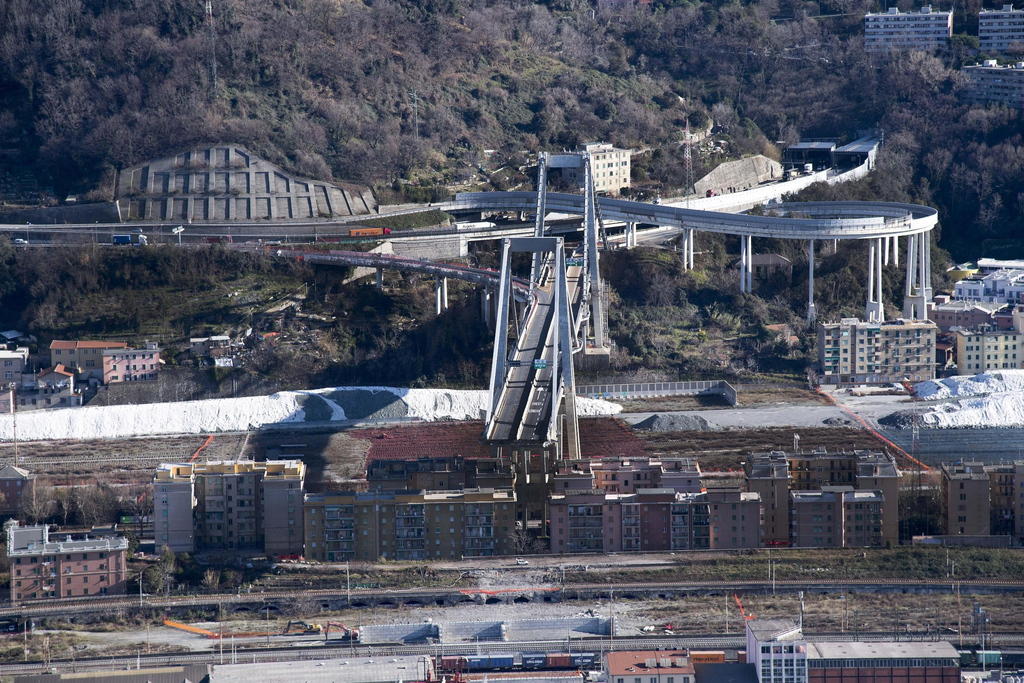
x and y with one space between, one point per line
826 220
880 224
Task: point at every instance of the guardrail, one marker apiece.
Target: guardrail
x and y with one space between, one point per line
657 389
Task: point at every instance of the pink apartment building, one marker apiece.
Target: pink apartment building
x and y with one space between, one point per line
131 365
60 567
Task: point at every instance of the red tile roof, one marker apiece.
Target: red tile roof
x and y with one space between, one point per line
600 437
57 369
61 344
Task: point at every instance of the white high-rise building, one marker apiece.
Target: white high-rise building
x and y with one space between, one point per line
1001 29
895 30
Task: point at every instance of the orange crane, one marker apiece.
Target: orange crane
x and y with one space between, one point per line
743 612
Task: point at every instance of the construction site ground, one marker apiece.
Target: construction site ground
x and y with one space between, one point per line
793 396
717 614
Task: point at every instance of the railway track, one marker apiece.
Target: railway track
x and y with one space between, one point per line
414 596
351 651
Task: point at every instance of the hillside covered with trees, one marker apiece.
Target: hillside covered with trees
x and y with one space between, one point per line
414 90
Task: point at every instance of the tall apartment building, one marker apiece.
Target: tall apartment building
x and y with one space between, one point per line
609 165
987 348
230 505
627 475
774 475
836 517
409 525
965 491
1001 29
62 567
85 358
653 520
947 314
856 352
990 83
984 499
895 30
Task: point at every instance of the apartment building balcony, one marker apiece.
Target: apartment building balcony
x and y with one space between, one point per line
409 522
479 532
410 533
339 534
479 544
410 544
586 522
346 523
479 520
585 533
339 546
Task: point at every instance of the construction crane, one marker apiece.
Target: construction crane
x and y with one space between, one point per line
739 605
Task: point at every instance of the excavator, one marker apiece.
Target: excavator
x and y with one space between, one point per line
347 632
302 628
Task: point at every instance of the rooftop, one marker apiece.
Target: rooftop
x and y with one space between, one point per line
991 264
269 468
35 540
967 305
352 670
86 344
964 470
637 662
774 629
881 650
13 472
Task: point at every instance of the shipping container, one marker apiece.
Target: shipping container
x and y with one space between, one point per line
583 659
559 661
707 656
534 660
368 232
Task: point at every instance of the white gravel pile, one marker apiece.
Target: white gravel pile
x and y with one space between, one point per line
239 414
989 399
965 385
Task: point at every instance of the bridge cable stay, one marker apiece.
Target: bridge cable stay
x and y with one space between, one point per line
592 265
541 213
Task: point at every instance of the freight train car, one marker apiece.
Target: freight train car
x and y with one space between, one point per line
525 661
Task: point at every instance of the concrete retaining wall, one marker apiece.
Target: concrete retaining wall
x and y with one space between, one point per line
399 633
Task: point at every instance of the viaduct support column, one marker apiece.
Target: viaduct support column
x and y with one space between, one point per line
918 291
380 278
749 268
896 250
875 311
485 306
440 295
885 251
689 247
811 312
685 244
743 264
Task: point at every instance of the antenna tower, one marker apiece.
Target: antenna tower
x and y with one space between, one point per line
688 159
